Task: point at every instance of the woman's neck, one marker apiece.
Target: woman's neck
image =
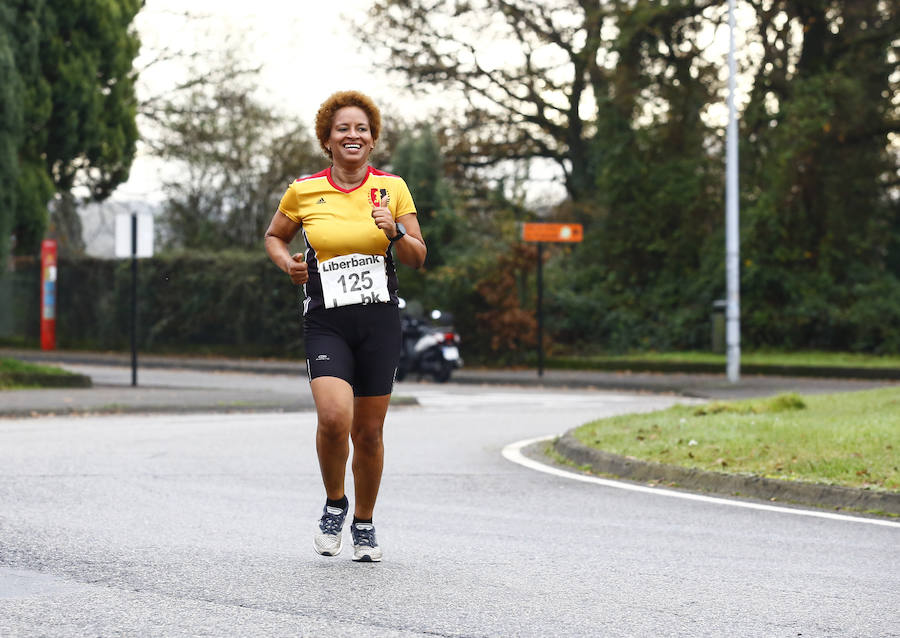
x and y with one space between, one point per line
349 178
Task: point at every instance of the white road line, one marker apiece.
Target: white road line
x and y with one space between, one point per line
513 452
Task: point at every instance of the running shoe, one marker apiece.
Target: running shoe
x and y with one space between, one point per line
365 547
327 540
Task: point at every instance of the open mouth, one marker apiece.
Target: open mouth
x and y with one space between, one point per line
353 147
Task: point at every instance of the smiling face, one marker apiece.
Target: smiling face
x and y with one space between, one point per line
350 141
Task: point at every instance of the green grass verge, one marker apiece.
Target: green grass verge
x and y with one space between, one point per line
841 439
15 374
806 358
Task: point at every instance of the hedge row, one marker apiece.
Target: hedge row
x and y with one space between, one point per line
239 303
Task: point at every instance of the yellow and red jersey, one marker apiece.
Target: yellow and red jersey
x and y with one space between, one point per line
336 221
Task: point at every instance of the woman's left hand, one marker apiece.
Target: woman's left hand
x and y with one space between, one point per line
384 220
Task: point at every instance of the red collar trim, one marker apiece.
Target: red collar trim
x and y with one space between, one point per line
344 190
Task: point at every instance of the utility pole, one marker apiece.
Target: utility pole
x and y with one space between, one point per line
732 230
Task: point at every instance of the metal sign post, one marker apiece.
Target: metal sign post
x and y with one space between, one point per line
134 300
542 233
540 307
134 238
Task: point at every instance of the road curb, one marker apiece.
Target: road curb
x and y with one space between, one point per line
19 413
128 405
618 385
216 364
746 485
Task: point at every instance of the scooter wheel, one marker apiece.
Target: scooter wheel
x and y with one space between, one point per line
442 374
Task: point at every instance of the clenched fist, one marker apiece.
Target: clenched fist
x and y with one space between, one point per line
297 269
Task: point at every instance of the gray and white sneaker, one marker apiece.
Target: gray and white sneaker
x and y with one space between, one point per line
365 547
327 540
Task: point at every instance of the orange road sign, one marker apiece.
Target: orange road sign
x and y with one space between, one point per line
552 232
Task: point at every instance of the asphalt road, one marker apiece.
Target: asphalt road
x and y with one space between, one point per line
201 525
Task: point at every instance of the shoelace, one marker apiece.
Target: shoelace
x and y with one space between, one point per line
331 523
364 536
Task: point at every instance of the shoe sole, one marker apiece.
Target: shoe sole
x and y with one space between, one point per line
366 558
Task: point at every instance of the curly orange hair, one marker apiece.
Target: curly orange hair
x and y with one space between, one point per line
337 101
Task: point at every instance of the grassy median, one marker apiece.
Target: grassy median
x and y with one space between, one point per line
15 375
850 439
810 363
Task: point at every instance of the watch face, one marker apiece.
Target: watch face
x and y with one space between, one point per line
401 228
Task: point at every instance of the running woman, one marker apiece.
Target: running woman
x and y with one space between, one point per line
351 217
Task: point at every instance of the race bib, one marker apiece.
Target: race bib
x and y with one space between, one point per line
354 279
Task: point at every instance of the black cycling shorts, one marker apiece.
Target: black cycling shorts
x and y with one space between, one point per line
359 344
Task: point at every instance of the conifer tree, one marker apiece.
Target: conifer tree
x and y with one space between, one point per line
69 106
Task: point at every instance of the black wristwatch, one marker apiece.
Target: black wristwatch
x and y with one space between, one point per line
401 231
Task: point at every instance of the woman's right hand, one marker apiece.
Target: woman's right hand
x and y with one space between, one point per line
297 269
281 231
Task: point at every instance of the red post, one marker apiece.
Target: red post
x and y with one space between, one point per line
48 294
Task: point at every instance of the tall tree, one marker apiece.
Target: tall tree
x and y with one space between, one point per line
524 95
72 92
533 72
657 189
821 208
11 121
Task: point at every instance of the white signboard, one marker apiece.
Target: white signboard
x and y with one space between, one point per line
144 235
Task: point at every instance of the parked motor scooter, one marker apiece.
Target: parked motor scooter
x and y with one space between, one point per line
428 348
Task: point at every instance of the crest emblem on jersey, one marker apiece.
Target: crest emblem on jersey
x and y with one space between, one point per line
378 195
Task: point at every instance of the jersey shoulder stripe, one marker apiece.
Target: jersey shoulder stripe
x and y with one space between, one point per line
379 173
319 175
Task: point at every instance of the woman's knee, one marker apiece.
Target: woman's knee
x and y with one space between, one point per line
334 423
367 436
